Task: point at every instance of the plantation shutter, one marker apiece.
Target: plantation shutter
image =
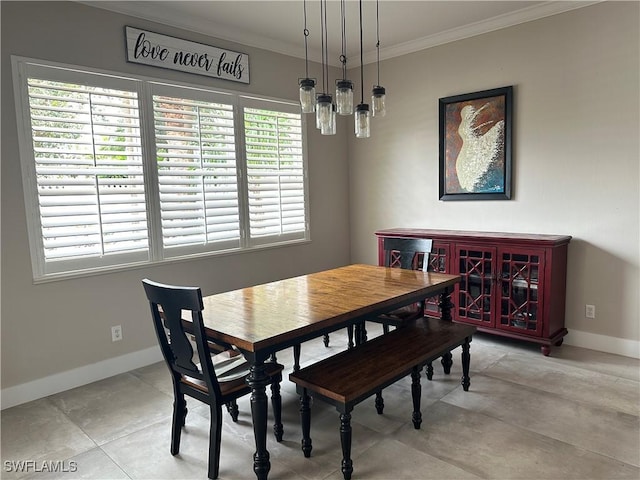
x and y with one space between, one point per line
87 153
276 175
120 171
196 164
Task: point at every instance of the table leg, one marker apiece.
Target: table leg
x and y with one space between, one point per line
258 381
305 420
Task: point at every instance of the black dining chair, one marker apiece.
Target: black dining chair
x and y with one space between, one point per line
412 254
216 379
408 253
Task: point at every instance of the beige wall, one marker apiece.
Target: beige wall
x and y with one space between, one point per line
53 327
576 153
576 157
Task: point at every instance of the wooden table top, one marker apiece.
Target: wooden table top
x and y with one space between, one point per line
274 315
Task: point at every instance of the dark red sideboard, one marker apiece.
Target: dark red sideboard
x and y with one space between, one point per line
512 284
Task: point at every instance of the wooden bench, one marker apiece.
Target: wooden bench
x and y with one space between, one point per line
348 378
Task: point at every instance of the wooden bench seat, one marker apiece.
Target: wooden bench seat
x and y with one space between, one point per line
346 379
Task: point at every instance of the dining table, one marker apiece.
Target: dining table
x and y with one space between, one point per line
264 319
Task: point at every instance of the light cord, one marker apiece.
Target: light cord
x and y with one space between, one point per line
378 38
343 57
361 62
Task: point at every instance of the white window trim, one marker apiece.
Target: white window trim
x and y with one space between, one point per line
144 87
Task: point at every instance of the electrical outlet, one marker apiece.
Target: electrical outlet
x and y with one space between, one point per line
116 333
590 311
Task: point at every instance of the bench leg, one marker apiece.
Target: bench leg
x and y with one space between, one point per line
350 343
305 421
429 371
379 402
416 417
466 362
345 440
325 339
447 361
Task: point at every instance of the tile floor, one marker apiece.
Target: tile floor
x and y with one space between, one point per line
573 415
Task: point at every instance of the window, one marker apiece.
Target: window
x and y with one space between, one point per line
120 171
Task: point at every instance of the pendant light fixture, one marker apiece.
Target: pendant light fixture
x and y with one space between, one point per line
307 85
344 87
362 115
378 95
322 103
325 113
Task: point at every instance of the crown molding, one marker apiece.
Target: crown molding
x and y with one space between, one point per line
200 25
525 15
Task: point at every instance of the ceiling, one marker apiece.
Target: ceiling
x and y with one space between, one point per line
405 26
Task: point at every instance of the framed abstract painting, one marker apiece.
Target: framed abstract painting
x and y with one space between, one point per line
475 145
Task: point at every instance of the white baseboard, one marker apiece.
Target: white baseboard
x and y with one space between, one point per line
603 343
77 377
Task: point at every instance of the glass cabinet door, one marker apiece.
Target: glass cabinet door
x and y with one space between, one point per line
474 293
521 290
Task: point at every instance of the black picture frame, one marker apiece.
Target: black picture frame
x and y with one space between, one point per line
475 145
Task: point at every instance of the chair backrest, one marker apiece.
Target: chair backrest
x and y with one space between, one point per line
406 253
167 303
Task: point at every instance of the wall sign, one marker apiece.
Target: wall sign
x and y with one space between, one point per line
158 50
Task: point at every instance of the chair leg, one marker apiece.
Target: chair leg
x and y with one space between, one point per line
379 403
232 408
447 361
360 333
276 404
350 343
215 439
179 415
429 371
296 357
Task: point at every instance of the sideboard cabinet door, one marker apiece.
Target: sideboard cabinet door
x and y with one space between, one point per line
520 293
475 294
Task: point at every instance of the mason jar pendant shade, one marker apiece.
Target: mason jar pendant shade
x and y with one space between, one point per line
362 121
344 97
378 100
307 95
324 111
330 129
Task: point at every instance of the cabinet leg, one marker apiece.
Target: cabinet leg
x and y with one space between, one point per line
546 350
